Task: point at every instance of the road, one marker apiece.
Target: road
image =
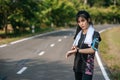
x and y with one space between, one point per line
42 57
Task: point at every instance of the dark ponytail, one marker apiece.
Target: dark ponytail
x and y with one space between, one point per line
77 31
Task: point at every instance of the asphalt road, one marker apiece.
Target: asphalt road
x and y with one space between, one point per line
42 58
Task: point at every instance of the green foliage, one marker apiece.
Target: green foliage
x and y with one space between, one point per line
19 13
41 13
62 14
24 13
57 12
105 15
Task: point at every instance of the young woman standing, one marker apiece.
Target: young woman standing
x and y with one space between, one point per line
85 44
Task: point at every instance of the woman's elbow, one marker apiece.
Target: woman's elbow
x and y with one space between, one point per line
92 50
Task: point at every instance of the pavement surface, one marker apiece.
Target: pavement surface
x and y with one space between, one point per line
42 57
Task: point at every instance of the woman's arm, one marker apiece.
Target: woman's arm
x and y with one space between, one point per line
83 51
72 51
94 45
86 51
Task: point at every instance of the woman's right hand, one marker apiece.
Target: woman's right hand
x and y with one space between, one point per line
73 47
71 52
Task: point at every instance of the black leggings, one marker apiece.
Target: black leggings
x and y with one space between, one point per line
81 76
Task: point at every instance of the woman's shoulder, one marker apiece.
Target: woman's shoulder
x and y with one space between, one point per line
97 35
96 32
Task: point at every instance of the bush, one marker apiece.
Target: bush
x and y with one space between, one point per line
105 15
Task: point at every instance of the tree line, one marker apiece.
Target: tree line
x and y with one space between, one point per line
22 14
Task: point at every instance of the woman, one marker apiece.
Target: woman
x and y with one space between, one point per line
85 44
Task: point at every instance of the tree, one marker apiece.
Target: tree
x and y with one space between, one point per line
57 12
4 13
21 13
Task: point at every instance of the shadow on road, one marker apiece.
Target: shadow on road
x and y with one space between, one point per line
37 70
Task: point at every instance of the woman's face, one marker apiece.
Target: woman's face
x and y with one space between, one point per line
83 23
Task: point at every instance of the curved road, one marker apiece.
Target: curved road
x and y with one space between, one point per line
42 57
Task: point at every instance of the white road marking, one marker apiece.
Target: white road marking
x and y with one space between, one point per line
65 36
102 31
22 70
3 45
14 42
33 37
59 40
41 53
97 56
100 62
101 66
52 45
21 40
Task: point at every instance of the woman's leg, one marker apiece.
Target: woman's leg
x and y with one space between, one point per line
78 76
86 77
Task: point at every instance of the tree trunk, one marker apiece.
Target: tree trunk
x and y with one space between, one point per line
114 2
85 2
5 23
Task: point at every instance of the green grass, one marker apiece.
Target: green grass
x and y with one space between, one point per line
110 51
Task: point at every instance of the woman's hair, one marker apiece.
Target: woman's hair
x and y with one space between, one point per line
77 31
83 14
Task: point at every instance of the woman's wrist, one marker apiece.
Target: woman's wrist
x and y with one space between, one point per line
77 50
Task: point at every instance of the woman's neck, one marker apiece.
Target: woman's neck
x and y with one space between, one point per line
84 31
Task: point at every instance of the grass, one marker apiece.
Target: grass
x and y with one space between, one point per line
110 51
14 37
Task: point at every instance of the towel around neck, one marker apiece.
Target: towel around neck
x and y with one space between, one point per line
88 38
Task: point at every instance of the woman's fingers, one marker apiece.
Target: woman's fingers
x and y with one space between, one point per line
72 51
69 53
73 47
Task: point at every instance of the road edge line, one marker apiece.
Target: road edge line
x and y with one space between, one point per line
24 39
100 62
101 66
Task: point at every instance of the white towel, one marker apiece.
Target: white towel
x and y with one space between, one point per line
88 38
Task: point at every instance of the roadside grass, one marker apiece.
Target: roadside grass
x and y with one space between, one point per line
110 51
13 37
